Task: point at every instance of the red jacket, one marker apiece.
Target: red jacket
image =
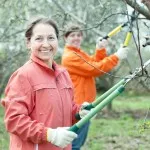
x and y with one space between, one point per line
81 70
37 98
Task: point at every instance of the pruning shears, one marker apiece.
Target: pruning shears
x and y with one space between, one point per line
129 33
125 44
106 98
118 28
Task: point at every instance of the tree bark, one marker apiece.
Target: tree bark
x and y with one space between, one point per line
139 8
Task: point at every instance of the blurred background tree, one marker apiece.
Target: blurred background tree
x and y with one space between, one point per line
97 17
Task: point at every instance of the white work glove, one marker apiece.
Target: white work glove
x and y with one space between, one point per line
60 136
122 53
101 43
83 112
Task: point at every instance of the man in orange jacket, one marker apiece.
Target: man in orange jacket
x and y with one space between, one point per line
83 69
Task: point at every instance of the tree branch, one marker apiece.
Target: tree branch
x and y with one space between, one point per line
74 17
139 8
65 12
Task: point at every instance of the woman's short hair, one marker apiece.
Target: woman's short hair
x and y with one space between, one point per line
71 27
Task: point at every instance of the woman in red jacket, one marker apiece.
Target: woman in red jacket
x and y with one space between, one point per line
83 69
39 96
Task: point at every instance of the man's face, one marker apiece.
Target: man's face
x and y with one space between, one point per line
74 39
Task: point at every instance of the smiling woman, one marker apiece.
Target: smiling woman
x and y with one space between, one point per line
43 42
38 98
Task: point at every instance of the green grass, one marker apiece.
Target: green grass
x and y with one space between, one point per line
132 102
4 138
120 134
119 129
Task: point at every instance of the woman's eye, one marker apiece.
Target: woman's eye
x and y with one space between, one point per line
73 35
39 38
51 38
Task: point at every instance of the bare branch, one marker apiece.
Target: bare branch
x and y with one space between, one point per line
13 34
75 17
139 8
65 12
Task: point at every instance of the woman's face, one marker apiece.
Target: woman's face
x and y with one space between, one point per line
43 42
74 39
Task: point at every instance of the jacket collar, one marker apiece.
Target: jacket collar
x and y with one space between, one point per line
72 48
56 68
39 61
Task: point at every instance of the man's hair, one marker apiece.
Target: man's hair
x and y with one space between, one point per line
71 27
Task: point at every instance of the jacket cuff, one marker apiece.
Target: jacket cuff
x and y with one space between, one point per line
101 53
44 136
114 57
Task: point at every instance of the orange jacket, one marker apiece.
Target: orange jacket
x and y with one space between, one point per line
82 73
37 98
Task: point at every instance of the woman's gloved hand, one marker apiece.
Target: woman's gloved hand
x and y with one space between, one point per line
83 112
60 136
101 43
122 53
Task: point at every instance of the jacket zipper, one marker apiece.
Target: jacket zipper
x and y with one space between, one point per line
57 84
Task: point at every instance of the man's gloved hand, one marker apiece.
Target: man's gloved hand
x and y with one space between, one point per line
122 53
83 112
101 43
60 136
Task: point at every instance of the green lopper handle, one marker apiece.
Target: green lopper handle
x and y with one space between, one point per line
95 110
102 97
